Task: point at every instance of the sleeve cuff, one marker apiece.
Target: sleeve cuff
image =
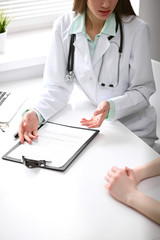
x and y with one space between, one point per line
40 117
112 112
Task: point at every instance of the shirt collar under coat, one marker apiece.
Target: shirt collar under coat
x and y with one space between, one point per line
78 25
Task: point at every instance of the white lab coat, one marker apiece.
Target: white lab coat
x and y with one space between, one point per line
136 83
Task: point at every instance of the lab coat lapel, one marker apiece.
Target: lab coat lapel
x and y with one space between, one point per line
102 46
81 45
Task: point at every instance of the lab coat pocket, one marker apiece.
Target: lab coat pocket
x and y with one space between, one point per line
110 66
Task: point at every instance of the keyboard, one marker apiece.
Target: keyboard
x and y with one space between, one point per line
3 97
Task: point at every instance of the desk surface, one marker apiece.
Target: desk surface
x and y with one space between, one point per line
39 204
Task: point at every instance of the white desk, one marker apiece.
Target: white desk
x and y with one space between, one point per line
39 204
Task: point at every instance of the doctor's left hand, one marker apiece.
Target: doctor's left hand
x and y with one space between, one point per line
28 127
98 116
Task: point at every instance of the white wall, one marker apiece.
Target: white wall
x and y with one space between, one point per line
149 12
135 5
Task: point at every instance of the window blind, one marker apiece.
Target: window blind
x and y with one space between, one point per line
34 12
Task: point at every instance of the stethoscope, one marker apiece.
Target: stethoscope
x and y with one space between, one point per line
70 73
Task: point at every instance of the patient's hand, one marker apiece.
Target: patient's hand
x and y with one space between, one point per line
121 183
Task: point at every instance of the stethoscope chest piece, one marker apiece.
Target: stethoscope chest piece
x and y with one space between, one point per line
104 85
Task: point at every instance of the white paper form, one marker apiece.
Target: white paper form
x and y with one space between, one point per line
56 143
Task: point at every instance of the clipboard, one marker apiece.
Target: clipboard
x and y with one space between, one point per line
58 146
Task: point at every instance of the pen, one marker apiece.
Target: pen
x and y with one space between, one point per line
16 135
2 129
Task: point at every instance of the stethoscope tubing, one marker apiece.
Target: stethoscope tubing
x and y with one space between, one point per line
70 64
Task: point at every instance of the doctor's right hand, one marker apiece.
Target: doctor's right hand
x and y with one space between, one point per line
28 127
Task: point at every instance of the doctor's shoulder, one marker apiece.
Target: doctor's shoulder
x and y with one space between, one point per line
64 21
134 25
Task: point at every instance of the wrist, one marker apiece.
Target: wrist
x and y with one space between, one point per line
108 105
139 174
132 197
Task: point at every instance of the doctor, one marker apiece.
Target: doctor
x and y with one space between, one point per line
104 48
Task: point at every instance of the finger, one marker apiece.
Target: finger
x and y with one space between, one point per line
114 169
35 133
21 132
86 120
24 124
89 122
83 119
27 138
107 186
94 121
31 136
107 178
86 124
111 173
130 173
127 170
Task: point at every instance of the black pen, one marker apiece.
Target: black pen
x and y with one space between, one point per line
16 135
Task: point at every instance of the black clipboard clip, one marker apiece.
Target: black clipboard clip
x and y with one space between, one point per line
31 163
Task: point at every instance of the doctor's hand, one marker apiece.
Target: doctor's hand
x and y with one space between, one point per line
28 127
98 116
121 183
